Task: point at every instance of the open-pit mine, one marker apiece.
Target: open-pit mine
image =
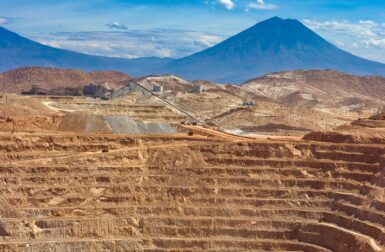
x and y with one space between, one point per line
139 171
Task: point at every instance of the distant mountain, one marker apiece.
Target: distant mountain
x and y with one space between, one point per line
22 79
17 51
273 45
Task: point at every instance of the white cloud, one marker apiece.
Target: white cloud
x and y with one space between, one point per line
8 20
364 30
229 4
368 22
116 25
380 42
261 5
365 38
3 21
360 29
133 43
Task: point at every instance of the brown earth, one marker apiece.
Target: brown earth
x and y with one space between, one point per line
22 79
285 103
212 191
329 86
371 130
221 105
199 189
26 114
71 192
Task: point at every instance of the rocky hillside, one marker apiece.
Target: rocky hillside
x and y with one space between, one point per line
323 86
15 81
169 82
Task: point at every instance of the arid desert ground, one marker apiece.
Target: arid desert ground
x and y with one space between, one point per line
300 170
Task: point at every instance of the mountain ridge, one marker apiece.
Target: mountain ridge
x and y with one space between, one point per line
273 45
24 52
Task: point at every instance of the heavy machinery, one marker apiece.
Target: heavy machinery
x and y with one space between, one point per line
250 105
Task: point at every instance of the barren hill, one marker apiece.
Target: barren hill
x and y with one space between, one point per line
15 81
297 112
325 86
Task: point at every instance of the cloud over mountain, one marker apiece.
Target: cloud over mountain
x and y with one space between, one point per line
8 20
365 37
3 21
116 25
133 43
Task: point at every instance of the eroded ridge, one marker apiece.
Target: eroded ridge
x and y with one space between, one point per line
72 192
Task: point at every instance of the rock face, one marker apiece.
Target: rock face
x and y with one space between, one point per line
196 189
273 45
361 131
22 79
112 124
77 192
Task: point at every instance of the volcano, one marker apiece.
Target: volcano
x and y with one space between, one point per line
273 45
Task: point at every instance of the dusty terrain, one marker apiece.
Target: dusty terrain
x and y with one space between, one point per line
172 192
83 174
289 103
296 112
72 189
320 86
332 97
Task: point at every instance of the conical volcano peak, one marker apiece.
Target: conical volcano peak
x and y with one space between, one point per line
273 45
281 26
277 21
273 35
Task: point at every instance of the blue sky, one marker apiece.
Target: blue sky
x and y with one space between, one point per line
176 28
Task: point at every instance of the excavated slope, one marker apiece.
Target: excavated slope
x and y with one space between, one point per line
73 192
368 131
